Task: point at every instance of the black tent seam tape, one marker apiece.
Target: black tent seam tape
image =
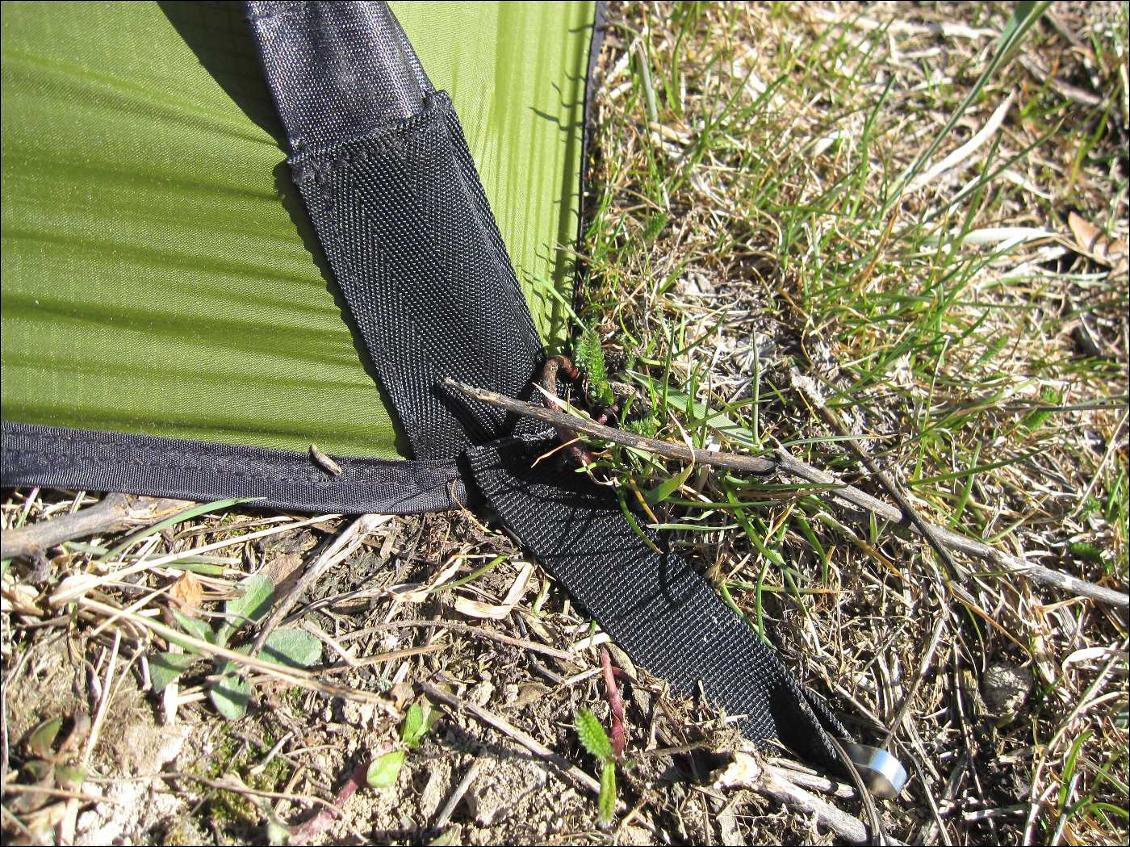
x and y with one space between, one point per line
61 457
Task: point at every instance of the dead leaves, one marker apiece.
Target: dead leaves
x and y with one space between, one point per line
188 593
496 612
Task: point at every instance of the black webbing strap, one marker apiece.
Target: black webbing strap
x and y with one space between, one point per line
55 456
396 202
656 607
397 205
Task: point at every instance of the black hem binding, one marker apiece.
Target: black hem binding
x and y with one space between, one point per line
58 457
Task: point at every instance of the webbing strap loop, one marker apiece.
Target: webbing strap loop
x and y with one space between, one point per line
397 205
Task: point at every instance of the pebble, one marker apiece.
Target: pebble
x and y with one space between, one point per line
1005 687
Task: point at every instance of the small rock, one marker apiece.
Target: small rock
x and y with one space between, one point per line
1005 687
435 790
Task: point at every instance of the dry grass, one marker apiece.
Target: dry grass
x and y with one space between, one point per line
753 218
750 221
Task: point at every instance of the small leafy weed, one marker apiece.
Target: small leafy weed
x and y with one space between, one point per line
228 688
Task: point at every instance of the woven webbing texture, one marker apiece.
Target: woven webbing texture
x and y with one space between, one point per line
396 202
397 205
33 454
656 607
338 70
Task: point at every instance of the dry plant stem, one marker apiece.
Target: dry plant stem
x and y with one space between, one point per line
855 444
772 783
506 728
920 674
115 512
66 829
749 464
465 783
455 626
342 547
245 790
865 798
1035 800
956 541
785 463
292 676
16 788
909 513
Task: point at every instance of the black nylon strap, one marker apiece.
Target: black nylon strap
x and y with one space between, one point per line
395 199
198 470
656 607
397 205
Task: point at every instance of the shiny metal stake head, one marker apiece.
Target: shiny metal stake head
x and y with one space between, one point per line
882 773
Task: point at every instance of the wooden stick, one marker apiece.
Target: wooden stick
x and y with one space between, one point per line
115 512
746 771
787 464
667 449
504 726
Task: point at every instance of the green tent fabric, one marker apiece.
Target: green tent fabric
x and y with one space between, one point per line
159 274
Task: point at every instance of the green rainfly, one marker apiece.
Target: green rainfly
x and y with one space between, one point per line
159 274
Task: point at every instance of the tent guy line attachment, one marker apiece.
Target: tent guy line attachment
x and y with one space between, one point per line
784 462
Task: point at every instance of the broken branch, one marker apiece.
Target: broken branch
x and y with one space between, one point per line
114 513
785 463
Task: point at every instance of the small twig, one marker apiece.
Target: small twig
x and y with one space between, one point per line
103 702
223 785
785 463
865 798
115 512
681 452
381 658
67 826
455 626
465 783
289 675
747 771
274 751
17 788
808 388
347 541
920 674
574 773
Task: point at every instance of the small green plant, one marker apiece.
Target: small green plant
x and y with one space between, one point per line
596 741
385 768
228 687
589 357
633 412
